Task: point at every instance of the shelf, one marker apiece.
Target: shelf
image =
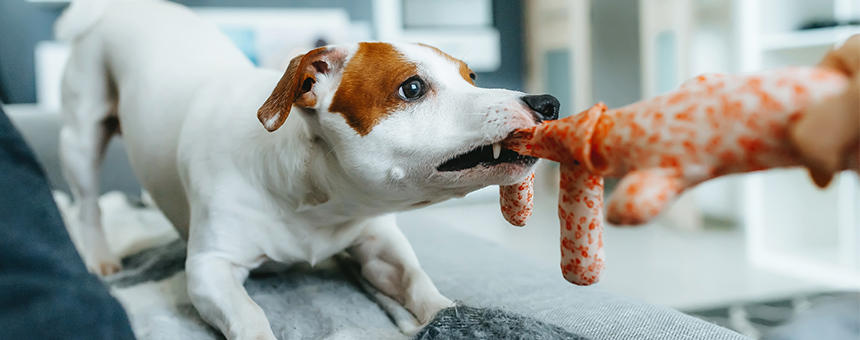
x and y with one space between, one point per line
807 38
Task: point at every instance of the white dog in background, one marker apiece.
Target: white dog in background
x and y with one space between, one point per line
349 135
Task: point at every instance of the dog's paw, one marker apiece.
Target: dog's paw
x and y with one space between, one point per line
102 264
260 334
427 313
409 327
108 268
428 310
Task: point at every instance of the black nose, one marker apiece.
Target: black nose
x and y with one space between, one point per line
544 105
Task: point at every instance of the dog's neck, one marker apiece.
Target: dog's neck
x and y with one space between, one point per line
301 171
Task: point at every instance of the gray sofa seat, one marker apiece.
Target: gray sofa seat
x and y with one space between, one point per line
480 273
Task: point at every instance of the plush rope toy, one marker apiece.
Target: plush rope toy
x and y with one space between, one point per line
713 125
517 201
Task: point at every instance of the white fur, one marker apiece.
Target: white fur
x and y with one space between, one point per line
186 100
79 18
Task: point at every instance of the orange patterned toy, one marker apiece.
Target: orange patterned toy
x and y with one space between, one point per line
711 126
517 201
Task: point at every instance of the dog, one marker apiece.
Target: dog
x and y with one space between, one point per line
254 166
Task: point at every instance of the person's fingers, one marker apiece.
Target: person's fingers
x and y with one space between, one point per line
828 132
844 58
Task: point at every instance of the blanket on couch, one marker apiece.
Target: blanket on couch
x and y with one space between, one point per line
328 301
324 302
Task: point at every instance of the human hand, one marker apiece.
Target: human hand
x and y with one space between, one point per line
827 137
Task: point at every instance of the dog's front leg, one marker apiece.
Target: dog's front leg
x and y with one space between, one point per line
215 288
388 262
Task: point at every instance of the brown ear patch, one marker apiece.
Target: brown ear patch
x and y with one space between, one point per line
464 70
296 83
368 88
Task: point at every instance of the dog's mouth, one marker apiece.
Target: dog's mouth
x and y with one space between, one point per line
487 156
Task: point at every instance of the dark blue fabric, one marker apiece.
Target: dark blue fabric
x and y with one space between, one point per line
45 289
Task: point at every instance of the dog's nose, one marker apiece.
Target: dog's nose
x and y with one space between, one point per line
545 105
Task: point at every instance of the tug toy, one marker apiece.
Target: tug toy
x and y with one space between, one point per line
713 125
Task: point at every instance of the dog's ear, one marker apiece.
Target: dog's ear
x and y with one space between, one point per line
297 84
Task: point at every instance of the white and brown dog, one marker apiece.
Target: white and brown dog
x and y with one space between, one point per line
349 135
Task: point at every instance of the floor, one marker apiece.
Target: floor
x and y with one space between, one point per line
688 270
827 315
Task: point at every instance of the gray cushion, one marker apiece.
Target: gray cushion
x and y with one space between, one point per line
480 273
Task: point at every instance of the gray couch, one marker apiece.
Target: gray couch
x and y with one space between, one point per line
470 270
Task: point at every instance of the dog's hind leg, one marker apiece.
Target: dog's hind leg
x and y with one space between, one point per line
89 121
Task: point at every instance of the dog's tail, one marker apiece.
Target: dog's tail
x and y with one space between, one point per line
79 18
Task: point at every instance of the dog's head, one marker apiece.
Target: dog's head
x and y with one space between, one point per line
406 120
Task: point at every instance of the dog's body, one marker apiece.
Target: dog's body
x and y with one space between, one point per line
354 149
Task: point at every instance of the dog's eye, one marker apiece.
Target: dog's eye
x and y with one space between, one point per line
411 89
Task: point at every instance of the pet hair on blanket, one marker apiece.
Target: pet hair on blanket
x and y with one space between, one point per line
466 323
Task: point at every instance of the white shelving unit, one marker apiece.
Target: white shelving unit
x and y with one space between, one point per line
560 29
768 36
791 226
820 37
665 31
478 45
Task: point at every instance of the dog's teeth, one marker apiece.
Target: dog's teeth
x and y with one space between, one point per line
497 150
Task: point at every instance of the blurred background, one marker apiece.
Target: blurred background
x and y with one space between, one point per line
744 251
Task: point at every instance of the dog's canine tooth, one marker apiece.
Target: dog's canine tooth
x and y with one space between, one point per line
497 150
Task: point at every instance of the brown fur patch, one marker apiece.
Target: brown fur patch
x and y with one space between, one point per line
296 83
368 88
465 71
